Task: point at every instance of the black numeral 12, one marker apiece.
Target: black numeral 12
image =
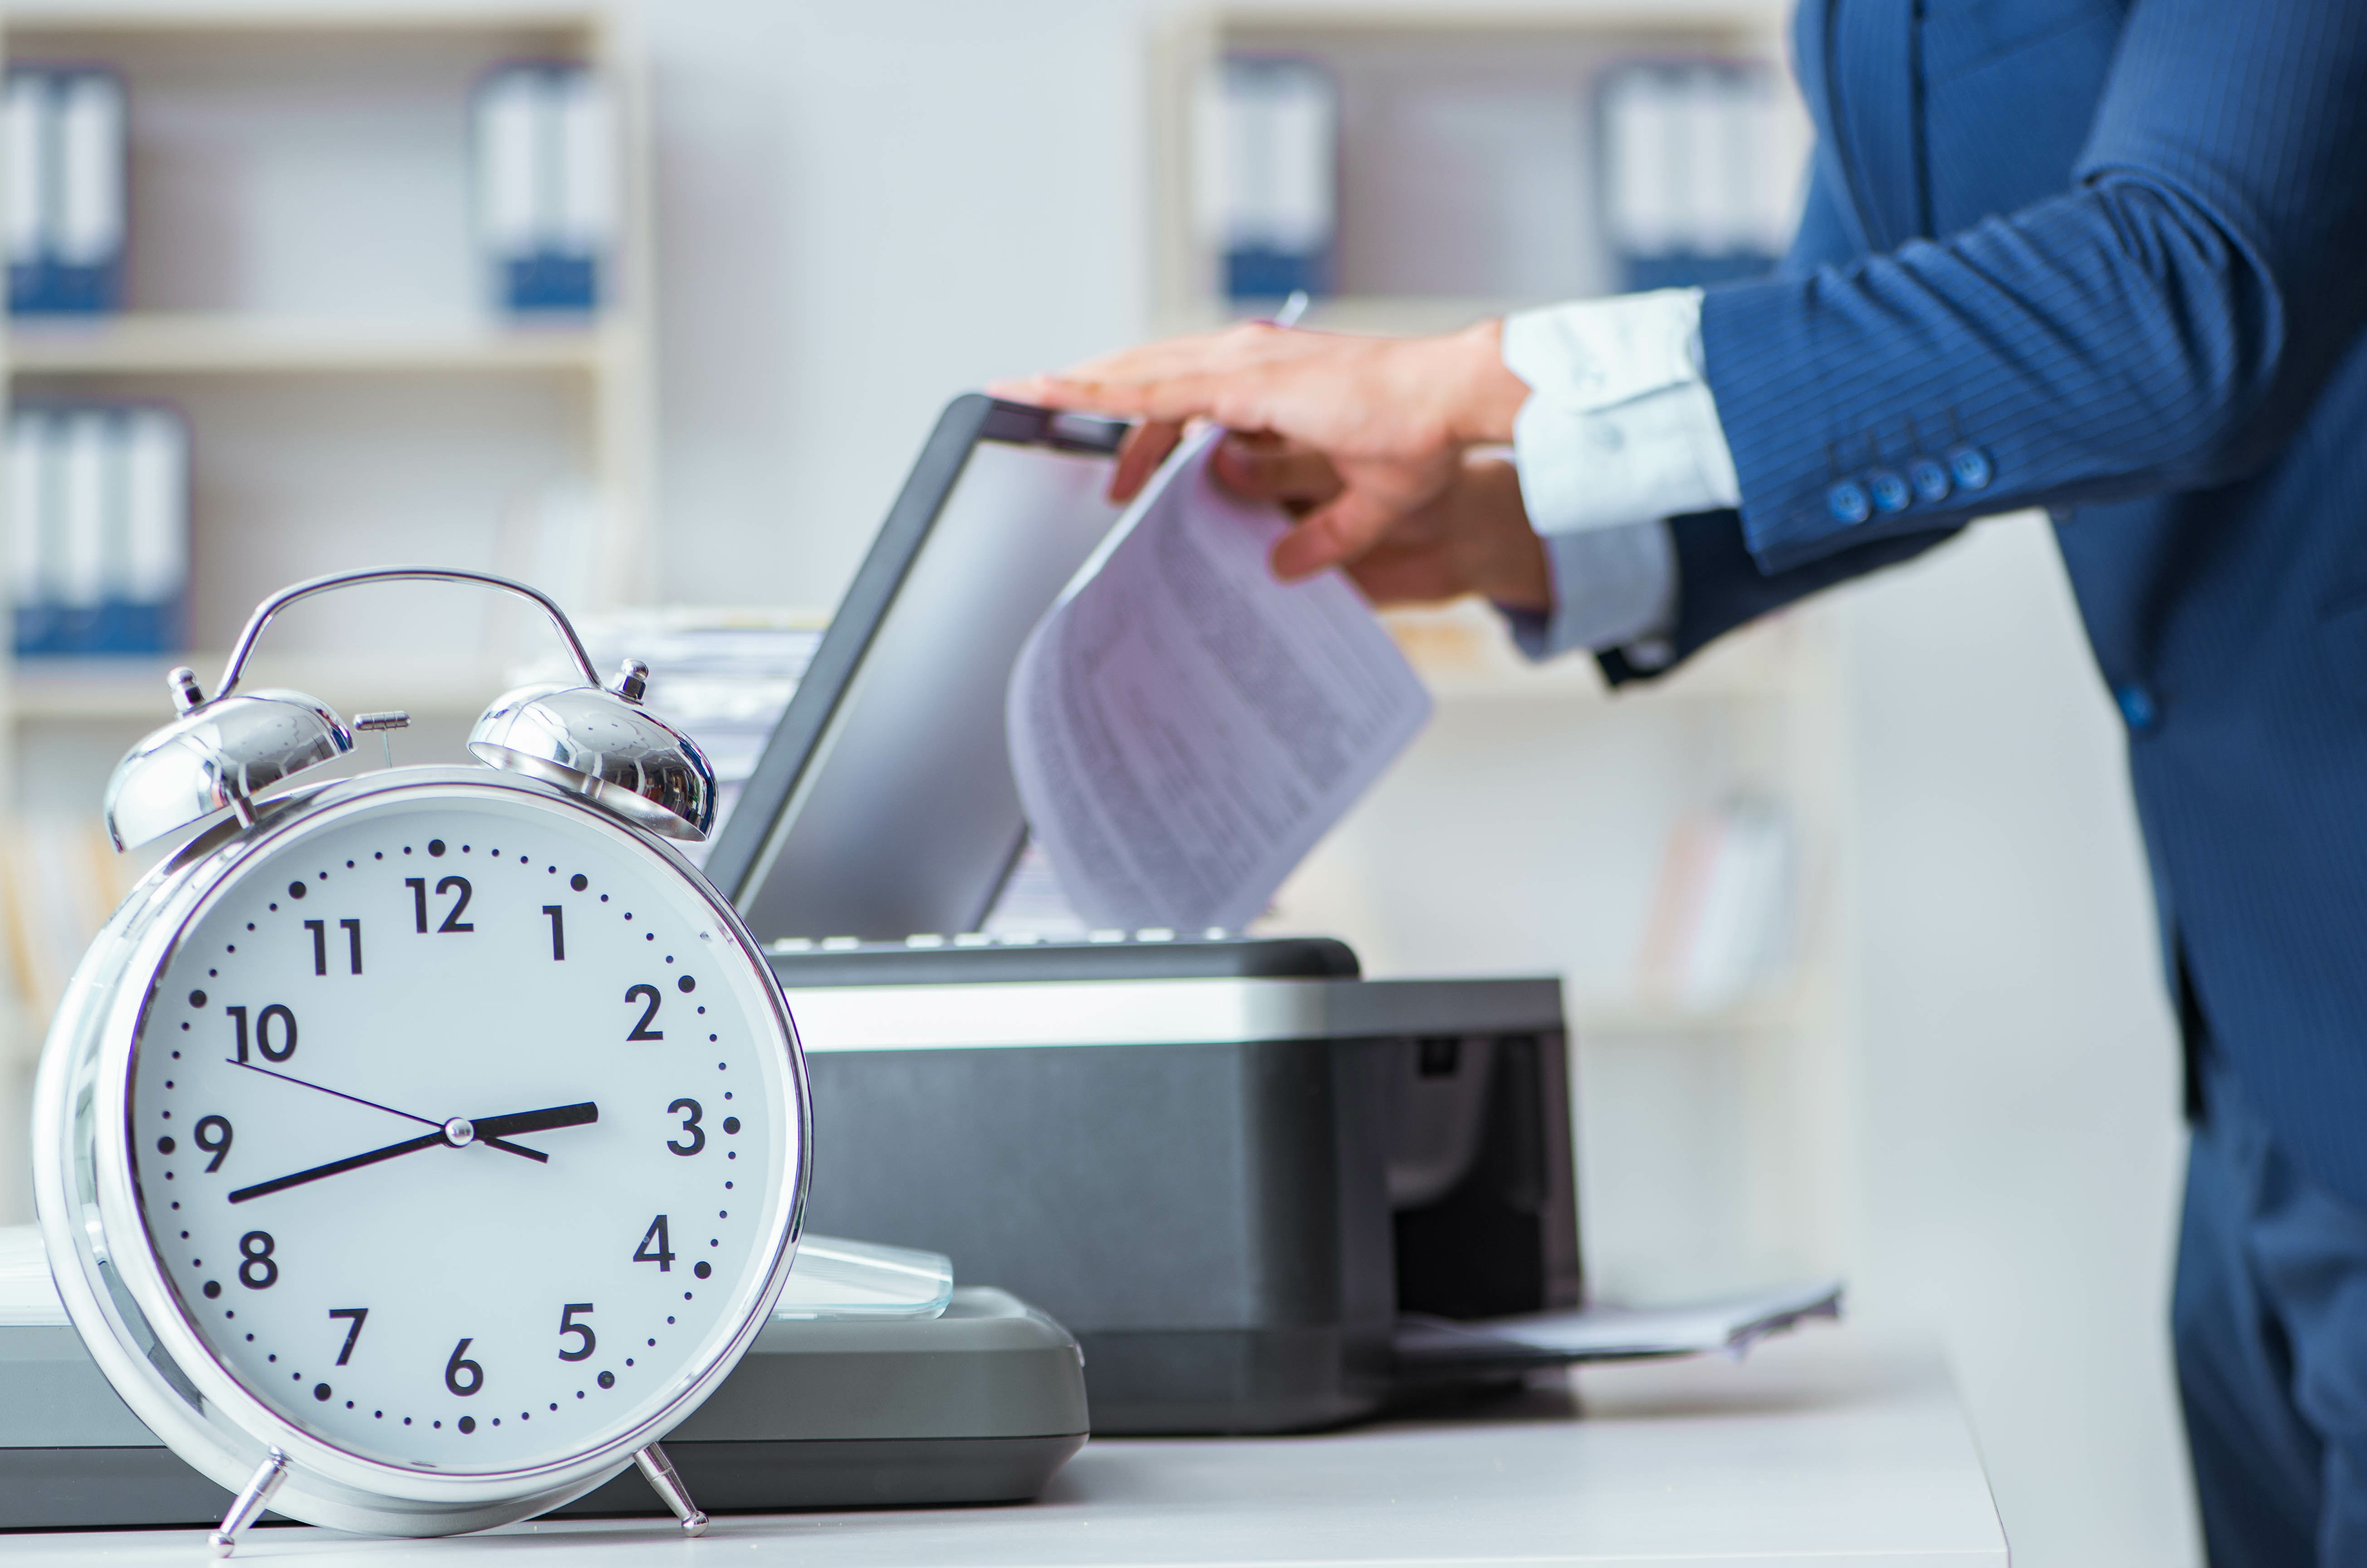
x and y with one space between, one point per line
320 930
452 921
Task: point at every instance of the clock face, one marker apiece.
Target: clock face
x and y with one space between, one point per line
463 1129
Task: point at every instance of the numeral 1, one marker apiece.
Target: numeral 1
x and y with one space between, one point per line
558 932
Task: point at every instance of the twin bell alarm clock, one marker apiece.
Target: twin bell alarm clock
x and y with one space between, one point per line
413 1151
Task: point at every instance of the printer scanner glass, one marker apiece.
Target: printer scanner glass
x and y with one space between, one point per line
903 818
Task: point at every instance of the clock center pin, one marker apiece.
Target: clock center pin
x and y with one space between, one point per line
459 1133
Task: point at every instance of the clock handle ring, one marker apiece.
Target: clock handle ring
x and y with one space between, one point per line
305 590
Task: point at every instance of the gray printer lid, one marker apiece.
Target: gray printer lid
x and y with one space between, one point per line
883 804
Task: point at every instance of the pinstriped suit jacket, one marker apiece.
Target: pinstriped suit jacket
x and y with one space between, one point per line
2109 257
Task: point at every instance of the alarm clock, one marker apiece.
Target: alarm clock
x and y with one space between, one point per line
413 1151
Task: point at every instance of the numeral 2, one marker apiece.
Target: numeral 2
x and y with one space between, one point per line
642 1030
320 930
452 920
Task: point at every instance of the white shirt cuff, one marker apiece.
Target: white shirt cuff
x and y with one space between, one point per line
1619 427
1612 588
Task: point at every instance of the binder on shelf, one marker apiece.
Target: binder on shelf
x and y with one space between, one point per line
1721 923
98 528
1269 174
1695 183
545 185
65 217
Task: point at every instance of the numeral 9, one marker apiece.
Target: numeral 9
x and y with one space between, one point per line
214 1137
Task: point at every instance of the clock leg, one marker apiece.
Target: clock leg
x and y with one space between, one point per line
668 1485
250 1503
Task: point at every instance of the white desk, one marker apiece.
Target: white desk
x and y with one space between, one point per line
1818 1450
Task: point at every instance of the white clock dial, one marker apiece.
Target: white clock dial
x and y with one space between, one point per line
462 1129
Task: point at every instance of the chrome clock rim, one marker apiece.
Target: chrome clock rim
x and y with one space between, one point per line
85 1197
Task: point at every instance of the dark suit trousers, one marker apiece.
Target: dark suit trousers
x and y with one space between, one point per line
2269 1320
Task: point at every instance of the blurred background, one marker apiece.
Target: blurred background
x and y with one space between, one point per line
654 304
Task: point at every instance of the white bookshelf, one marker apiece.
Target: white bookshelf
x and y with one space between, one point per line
1525 829
304 284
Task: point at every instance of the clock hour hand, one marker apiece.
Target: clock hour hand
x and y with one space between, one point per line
543 1121
335 1168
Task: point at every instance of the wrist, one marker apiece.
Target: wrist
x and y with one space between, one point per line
1483 396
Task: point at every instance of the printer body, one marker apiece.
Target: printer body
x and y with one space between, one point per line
1230 1187
1229 1165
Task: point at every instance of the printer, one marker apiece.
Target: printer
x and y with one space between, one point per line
1234 1168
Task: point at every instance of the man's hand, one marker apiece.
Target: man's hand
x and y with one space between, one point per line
1473 537
1390 416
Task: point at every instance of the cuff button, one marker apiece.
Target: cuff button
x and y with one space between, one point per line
1929 480
1971 466
1889 491
1847 502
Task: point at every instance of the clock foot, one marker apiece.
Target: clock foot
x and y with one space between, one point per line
250 1503
668 1485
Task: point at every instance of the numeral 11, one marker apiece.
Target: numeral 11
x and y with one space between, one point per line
353 930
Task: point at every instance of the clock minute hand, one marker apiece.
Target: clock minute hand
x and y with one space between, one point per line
335 1168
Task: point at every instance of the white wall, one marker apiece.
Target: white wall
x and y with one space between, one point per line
2019 1140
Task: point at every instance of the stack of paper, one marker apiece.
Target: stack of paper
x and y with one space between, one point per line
1611 1334
720 676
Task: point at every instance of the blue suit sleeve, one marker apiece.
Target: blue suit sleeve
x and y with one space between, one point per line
2163 325
1719 586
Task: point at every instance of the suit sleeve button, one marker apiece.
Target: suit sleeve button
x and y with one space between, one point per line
1930 479
1889 491
1971 466
1847 502
2137 706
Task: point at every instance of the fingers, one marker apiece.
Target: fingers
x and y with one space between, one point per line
1406 577
1266 467
1144 447
1332 535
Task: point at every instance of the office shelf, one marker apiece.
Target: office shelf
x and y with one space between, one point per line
306 289
232 344
132 689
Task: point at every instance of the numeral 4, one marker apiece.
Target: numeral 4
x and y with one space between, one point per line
654 1247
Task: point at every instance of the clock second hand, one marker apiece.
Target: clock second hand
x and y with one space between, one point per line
494 1142
459 1133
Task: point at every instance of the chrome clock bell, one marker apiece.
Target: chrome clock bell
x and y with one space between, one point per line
414 1150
